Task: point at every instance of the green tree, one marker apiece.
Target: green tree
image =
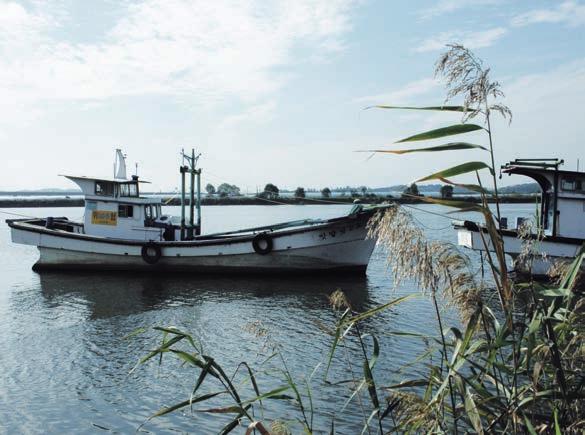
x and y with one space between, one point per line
446 191
300 192
364 190
270 191
226 189
326 192
411 190
210 189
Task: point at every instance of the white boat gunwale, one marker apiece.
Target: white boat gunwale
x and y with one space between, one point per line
362 216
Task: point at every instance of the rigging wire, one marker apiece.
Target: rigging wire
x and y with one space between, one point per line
19 215
442 215
78 218
327 201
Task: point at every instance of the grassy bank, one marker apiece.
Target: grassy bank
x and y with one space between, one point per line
248 200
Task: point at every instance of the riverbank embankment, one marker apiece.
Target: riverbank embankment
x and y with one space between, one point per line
251 200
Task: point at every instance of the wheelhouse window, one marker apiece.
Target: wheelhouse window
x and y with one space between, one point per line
573 184
152 211
129 189
125 211
104 188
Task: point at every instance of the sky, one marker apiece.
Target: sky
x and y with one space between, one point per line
274 91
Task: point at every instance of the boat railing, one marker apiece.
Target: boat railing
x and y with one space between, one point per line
55 223
273 227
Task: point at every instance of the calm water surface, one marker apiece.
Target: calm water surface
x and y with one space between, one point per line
65 361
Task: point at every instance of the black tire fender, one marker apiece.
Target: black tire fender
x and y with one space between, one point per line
151 253
262 243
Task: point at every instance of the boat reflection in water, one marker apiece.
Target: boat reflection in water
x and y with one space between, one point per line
86 349
123 294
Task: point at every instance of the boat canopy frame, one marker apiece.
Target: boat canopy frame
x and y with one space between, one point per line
547 174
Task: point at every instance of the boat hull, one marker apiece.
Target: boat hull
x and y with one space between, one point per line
545 251
340 245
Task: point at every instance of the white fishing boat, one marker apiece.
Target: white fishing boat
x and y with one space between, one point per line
123 230
559 230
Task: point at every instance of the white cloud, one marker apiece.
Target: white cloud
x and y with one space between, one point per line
404 95
447 6
256 114
536 92
571 13
468 39
209 51
547 110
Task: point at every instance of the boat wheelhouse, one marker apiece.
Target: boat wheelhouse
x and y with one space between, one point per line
560 226
123 230
114 208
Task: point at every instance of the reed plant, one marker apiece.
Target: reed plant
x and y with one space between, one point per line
513 364
516 366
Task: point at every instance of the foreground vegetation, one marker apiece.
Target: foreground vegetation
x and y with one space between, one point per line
513 364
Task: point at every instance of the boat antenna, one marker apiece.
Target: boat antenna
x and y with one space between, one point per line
192 159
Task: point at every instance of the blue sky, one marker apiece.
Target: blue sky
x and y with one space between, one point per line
273 91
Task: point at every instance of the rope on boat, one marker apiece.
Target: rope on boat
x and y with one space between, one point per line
19 215
404 205
431 228
446 216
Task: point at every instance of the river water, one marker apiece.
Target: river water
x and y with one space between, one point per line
65 356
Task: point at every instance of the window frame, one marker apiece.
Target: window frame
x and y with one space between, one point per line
103 191
577 182
128 190
127 207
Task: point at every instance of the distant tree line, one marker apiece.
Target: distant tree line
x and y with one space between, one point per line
271 191
223 190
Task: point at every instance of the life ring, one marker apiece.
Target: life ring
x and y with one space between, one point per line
151 253
262 243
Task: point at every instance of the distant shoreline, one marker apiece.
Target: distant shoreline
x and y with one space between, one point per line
245 200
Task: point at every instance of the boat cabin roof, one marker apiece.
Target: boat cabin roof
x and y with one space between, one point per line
547 174
563 195
112 180
111 189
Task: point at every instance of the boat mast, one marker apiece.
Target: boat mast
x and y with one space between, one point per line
199 202
182 170
192 198
193 229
